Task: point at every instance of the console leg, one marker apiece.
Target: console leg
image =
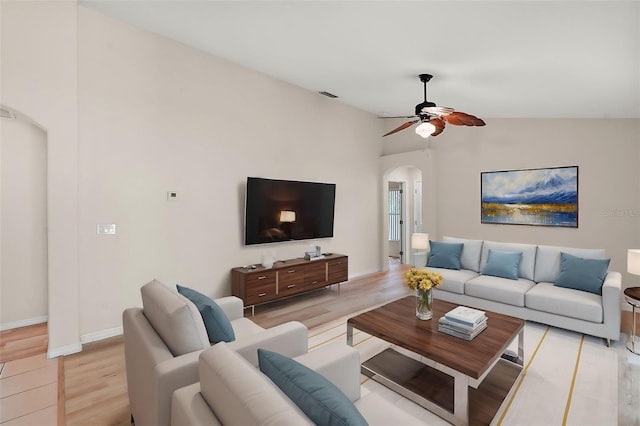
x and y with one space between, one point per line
132 421
608 342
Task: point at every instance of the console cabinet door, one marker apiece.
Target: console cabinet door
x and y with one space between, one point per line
315 275
338 270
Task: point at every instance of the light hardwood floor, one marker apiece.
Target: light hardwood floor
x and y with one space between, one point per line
92 384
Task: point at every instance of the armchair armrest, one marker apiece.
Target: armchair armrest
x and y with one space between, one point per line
232 307
338 363
289 339
611 303
171 375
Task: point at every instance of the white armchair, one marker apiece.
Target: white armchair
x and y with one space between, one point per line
163 340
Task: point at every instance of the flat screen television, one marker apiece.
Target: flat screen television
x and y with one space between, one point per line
284 210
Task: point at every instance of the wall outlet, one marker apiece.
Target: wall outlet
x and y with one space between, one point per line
106 229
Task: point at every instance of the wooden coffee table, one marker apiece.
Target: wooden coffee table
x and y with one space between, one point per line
464 382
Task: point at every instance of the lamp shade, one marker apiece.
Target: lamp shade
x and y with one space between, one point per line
420 241
633 261
287 216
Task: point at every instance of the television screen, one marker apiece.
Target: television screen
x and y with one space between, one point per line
282 210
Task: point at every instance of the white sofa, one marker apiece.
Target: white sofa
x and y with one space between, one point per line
163 340
533 296
232 391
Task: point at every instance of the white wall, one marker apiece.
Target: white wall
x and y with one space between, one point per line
607 154
23 244
157 116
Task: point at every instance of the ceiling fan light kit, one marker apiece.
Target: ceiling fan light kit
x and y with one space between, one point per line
433 118
425 129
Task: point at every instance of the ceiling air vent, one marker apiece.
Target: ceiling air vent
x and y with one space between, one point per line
5 113
328 95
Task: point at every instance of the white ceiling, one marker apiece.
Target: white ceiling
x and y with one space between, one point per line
530 59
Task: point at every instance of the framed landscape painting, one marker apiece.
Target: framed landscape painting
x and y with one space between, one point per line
547 197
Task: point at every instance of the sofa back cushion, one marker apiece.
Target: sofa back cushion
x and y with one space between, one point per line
527 264
548 260
471 252
175 319
239 394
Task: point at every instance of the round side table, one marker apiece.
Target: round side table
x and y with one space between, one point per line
632 295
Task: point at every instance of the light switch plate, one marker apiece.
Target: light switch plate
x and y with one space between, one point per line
106 229
172 195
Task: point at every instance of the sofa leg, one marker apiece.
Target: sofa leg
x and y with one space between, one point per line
132 421
608 342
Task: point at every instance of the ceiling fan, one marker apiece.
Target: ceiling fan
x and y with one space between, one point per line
433 118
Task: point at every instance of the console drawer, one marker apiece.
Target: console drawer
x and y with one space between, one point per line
290 281
315 275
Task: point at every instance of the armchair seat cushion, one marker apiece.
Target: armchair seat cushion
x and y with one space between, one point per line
243 327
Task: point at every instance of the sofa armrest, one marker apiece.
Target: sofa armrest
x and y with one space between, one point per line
338 363
232 307
611 303
289 339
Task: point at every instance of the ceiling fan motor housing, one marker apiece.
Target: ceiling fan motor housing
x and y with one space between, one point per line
425 104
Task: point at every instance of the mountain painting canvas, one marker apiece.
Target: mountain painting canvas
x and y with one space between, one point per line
547 197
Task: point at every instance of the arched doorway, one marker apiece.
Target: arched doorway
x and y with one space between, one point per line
23 217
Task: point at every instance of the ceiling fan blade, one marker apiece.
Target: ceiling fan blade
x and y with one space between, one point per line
401 127
458 118
397 116
439 125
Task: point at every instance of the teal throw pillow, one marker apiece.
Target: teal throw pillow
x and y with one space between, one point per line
582 274
218 327
316 396
504 264
445 255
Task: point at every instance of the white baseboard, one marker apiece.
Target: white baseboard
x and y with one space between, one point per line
64 350
100 335
363 273
23 323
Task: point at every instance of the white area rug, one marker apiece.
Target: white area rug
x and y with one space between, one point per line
569 379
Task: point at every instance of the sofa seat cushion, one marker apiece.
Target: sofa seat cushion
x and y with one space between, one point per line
452 280
239 394
245 327
568 302
176 320
503 290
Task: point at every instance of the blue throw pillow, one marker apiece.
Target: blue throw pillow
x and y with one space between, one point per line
582 274
445 255
218 327
316 396
505 264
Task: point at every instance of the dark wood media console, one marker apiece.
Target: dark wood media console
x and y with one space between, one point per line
287 278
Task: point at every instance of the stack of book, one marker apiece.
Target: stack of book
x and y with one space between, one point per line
465 323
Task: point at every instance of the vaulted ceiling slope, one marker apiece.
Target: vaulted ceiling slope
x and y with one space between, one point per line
494 59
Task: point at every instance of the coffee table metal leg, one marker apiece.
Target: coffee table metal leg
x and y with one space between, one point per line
460 399
349 335
521 347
